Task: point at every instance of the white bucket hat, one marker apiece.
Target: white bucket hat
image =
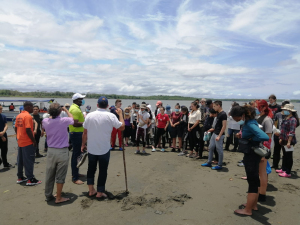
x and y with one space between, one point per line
289 107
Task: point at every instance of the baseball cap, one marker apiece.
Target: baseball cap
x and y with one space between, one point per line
88 107
77 96
158 103
67 104
208 102
102 101
168 108
21 108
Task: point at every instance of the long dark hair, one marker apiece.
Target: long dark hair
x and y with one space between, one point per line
296 117
239 111
195 104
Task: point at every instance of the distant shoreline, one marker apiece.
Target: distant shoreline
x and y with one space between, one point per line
58 94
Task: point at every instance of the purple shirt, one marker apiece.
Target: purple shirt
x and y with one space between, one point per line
57 132
127 122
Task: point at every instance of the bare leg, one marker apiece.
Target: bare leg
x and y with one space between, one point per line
126 140
251 202
263 176
174 142
180 142
58 194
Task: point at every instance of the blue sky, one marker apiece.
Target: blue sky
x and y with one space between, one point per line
226 49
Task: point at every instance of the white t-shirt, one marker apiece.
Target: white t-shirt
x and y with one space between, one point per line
194 116
99 125
145 115
63 114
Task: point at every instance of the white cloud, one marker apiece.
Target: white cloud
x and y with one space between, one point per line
192 52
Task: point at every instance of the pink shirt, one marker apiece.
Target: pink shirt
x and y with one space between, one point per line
57 131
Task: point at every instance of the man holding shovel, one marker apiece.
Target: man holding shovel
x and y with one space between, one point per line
98 126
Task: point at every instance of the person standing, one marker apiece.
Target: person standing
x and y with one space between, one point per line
87 110
288 139
273 105
76 131
279 117
97 133
58 152
38 133
252 136
175 121
128 125
26 145
143 120
217 137
12 107
3 140
115 131
162 121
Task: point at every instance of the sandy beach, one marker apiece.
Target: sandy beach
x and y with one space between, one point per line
163 189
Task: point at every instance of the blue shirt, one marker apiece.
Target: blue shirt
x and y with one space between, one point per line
251 130
3 121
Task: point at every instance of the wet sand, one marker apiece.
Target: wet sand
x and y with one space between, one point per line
163 189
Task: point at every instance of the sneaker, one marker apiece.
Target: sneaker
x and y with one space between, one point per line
143 152
33 181
120 149
173 150
111 149
153 150
162 150
137 152
280 171
126 145
21 180
241 164
181 154
81 159
206 164
240 161
216 168
284 174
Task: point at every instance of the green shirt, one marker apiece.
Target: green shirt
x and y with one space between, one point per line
77 115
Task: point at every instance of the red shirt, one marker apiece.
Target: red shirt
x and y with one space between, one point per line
175 117
162 120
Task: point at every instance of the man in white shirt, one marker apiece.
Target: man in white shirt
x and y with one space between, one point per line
98 126
142 119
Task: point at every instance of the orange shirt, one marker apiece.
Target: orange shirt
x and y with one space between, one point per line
23 121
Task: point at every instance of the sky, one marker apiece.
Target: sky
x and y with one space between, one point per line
212 48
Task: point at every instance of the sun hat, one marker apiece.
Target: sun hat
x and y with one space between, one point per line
77 96
289 107
158 103
67 104
143 106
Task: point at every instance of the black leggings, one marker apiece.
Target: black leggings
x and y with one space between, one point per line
37 140
160 132
251 162
287 161
193 138
277 150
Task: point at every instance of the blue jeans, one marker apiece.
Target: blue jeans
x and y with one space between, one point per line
103 161
76 140
216 144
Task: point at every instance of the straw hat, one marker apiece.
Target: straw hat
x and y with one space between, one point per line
289 107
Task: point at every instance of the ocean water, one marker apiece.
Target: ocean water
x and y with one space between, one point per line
127 102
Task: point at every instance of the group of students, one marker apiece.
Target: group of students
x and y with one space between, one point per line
203 121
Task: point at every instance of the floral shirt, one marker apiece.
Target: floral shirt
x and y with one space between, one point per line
288 128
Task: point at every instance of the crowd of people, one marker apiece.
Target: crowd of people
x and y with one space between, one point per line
189 130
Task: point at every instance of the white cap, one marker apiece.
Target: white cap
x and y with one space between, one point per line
149 106
77 95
